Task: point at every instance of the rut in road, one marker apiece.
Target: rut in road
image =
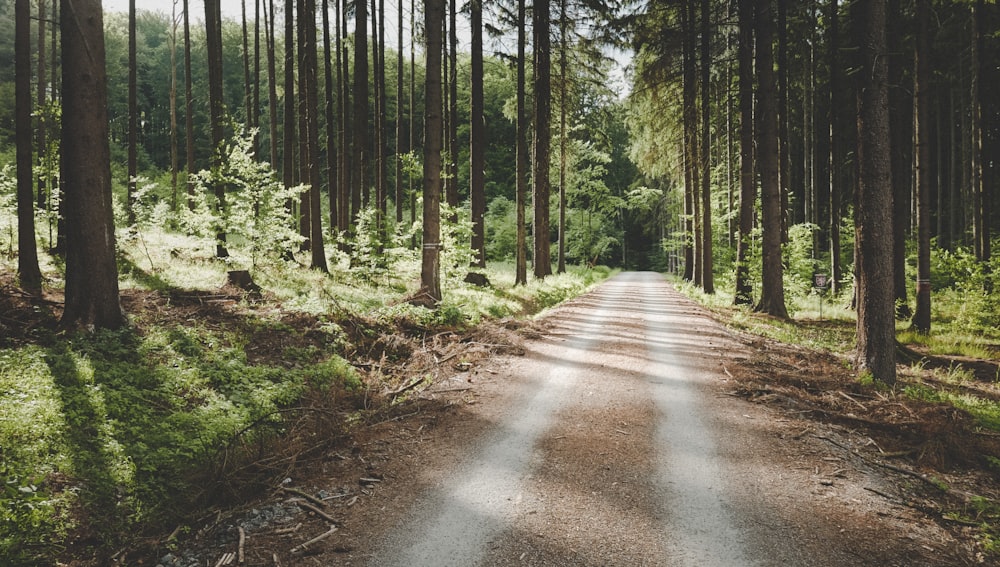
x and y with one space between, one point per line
602 459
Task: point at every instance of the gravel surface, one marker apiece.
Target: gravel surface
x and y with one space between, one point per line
616 439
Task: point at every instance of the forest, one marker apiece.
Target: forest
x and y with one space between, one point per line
178 187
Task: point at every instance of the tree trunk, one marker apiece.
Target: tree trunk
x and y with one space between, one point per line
272 83
980 161
189 164
876 346
922 123
400 129
784 163
133 117
288 133
692 201
330 93
430 272
543 137
900 127
836 268
521 168
42 134
174 149
748 184
563 79
477 143
451 180
772 298
359 187
247 95
310 86
29 274
216 105
707 279
91 273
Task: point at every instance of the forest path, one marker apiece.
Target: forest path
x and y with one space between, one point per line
612 442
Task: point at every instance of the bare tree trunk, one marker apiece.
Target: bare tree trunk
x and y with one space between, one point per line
772 298
922 102
748 184
174 150
28 272
272 82
692 203
41 134
876 348
189 164
901 140
359 188
330 93
400 129
543 137
477 143
91 273
216 105
310 85
836 268
451 179
707 279
563 68
133 117
288 133
430 272
521 195
247 95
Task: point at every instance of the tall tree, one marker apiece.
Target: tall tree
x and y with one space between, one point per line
174 150
543 137
216 109
521 167
748 182
922 124
330 93
563 133
272 82
451 168
27 248
133 116
188 108
41 134
836 157
689 114
430 271
981 162
309 84
876 337
92 299
359 187
901 140
707 279
400 128
772 298
477 140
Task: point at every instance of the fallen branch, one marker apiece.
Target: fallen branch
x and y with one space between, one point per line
318 512
239 550
304 546
305 495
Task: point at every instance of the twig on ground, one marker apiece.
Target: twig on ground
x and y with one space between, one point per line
318 512
305 495
304 546
239 550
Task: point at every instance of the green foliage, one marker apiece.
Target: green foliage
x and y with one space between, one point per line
128 418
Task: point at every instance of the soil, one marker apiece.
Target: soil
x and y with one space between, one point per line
626 427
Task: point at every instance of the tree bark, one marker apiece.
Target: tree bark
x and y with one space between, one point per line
29 274
543 137
922 101
901 140
330 92
359 187
521 167
477 140
430 272
400 128
216 105
748 184
772 299
189 164
707 278
133 117
92 299
563 79
876 346
836 267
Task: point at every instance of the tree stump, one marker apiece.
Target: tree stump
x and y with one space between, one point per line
243 280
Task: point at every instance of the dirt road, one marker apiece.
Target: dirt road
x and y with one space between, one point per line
613 441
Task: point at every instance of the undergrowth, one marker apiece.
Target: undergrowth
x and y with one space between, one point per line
108 437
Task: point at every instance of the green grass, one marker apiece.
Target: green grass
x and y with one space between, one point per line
117 433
